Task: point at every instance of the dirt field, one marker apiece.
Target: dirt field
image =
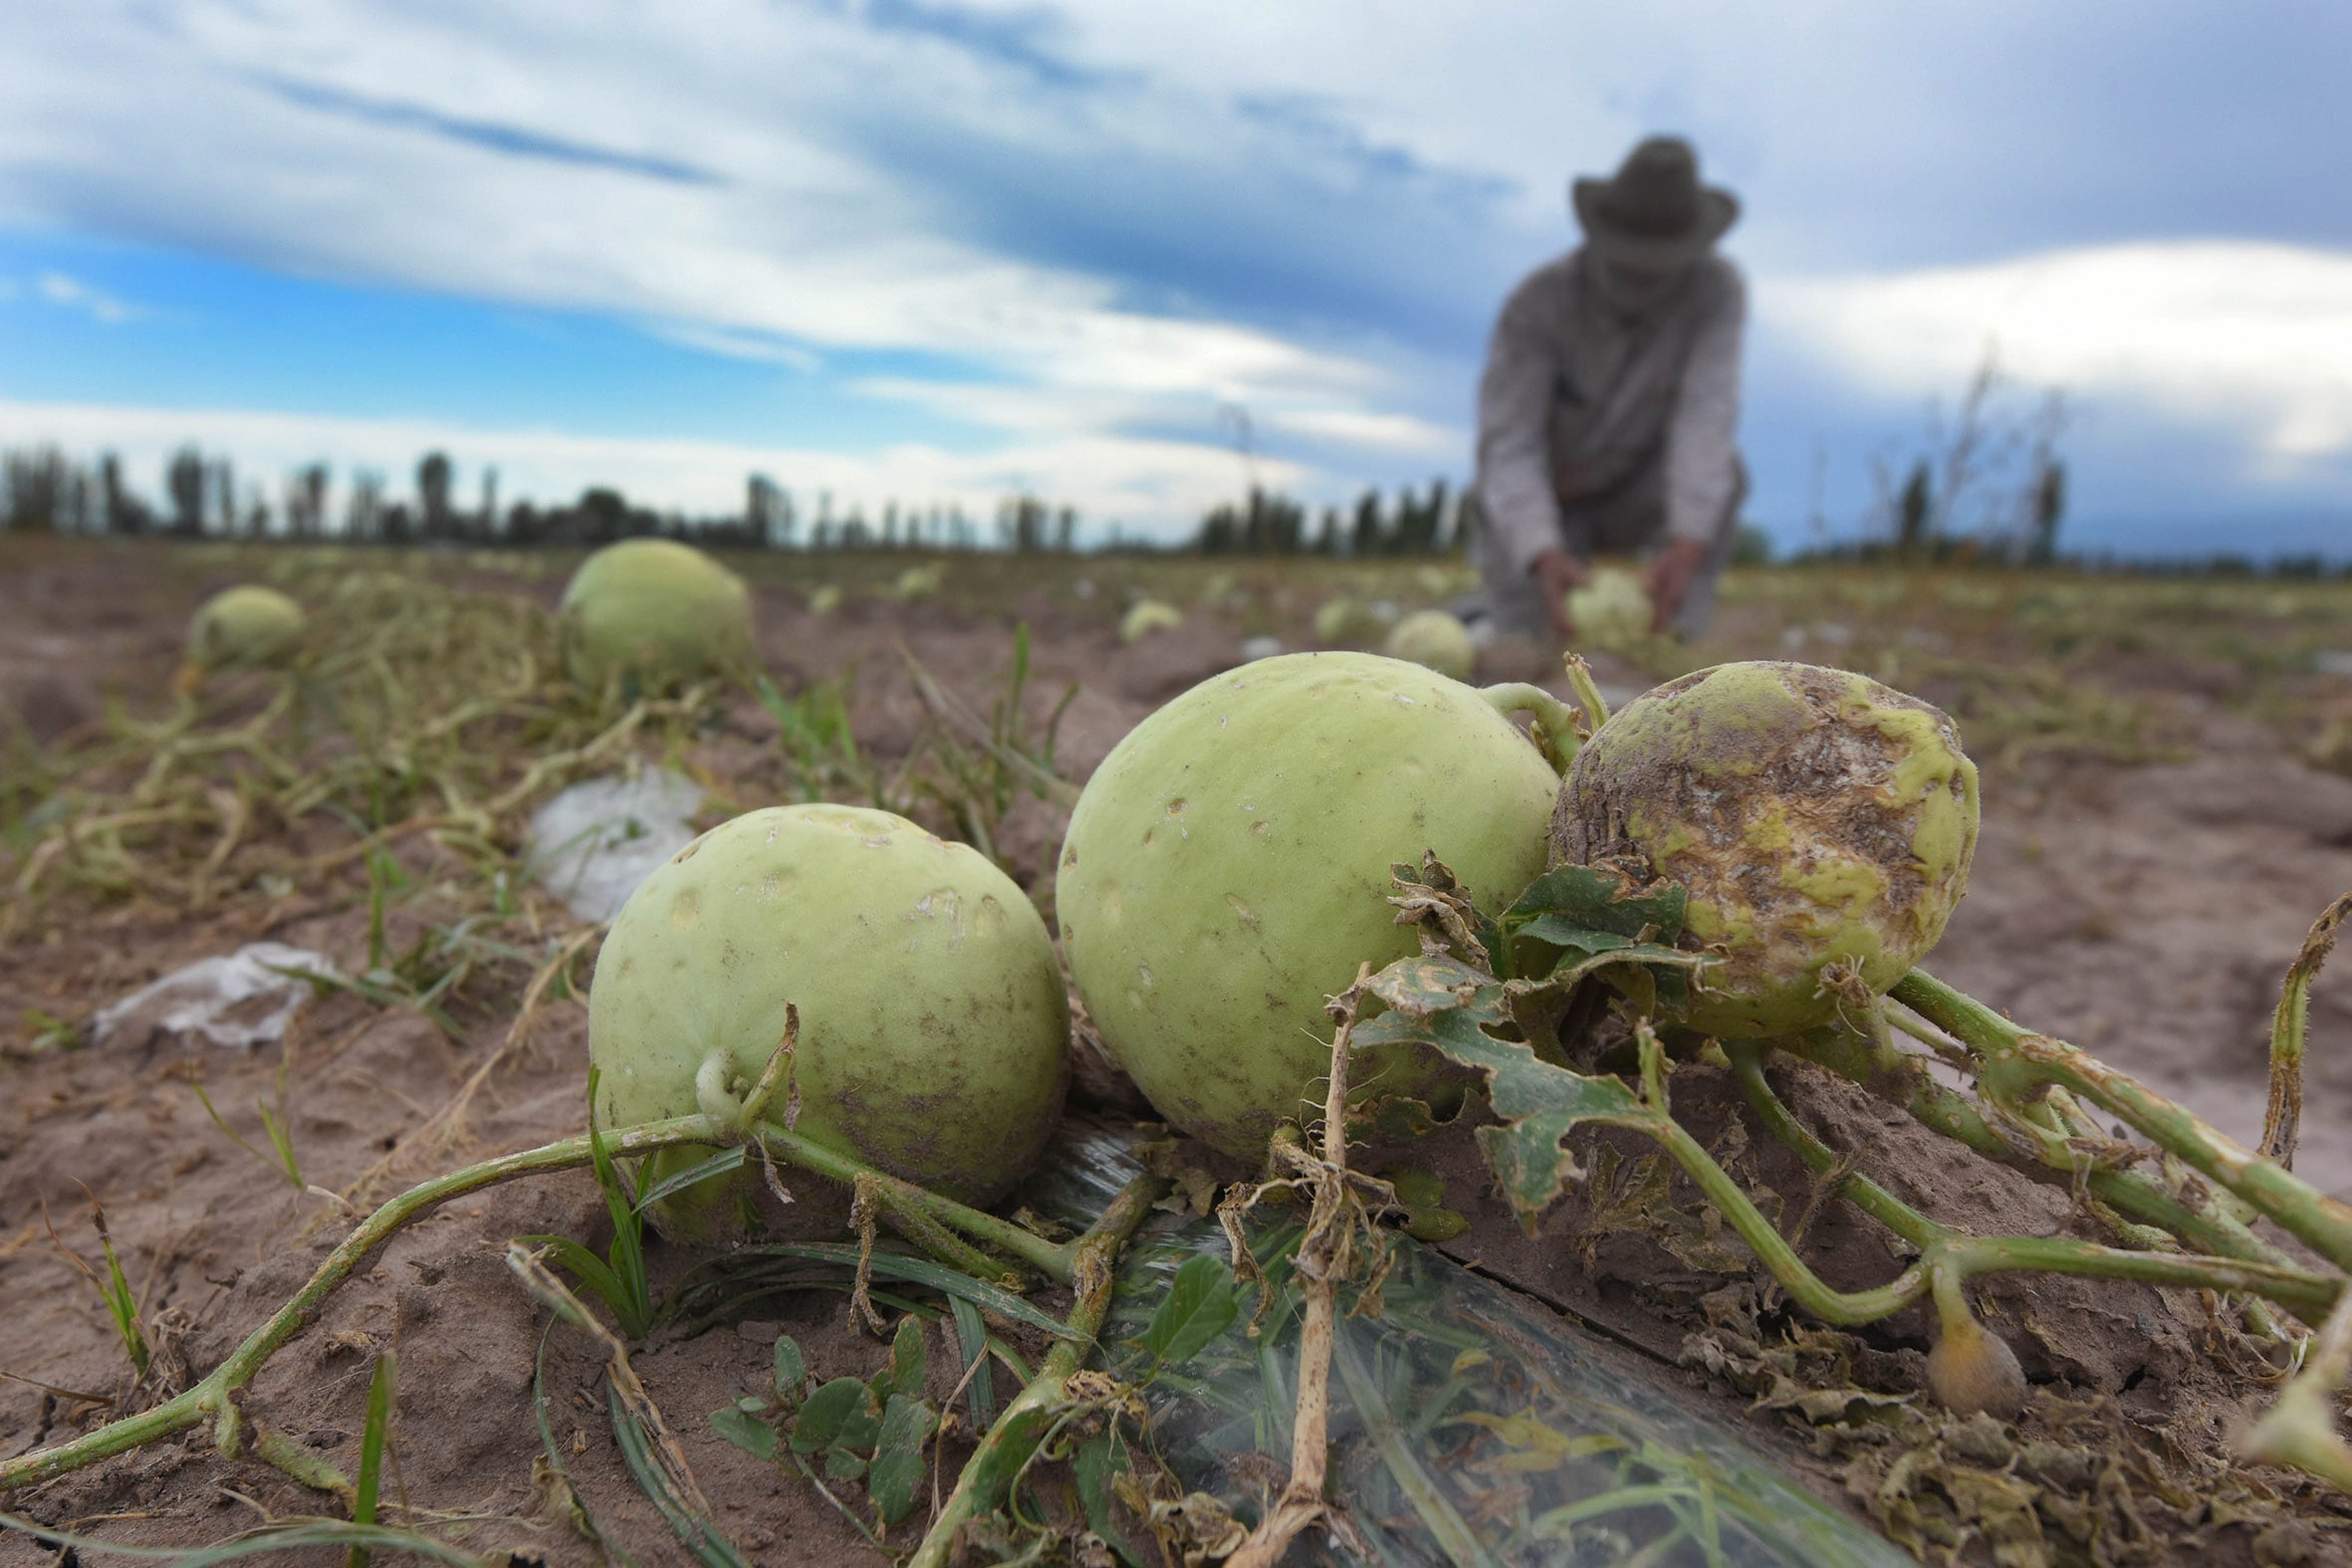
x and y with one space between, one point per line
2164 819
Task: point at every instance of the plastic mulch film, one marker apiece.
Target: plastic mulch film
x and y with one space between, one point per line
1468 1424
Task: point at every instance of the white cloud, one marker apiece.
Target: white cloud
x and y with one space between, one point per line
505 157
60 289
780 182
1400 433
1149 486
2224 336
736 344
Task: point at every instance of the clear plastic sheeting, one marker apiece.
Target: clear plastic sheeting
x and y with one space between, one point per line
592 844
1469 1424
240 1001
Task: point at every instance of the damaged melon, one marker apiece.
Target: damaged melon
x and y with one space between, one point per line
1822 822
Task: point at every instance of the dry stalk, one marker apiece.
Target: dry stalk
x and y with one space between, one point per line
541 1282
1319 1261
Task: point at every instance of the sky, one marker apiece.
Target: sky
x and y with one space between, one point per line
1134 257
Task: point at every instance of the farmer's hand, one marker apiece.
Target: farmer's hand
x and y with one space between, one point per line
1557 573
1668 581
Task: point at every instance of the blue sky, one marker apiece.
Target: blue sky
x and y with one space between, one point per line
937 250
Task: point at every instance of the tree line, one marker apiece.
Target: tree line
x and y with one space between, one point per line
1274 525
43 490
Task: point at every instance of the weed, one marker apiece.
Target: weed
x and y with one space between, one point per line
273 1121
371 1451
619 1278
112 1287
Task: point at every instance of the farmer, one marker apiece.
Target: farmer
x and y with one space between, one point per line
1605 415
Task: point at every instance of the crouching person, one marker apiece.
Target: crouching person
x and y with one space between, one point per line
1609 404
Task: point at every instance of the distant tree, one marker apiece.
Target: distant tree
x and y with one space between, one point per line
224 496
2049 509
1220 531
183 481
1913 510
124 512
1365 541
432 494
305 502
32 489
762 504
487 518
1066 528
364 509
606 514
1327 534
1020 523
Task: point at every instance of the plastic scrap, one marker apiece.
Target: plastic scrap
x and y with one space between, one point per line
238 1001
1469 1423
592 844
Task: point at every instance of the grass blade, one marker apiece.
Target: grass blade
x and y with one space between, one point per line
696 1531
305 1535
719 1164
570 1501
972 1337
921 1272
379 1415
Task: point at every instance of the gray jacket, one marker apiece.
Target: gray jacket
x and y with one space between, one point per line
1581 404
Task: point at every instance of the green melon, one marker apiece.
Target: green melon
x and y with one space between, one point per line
1433 640
657 610
248 625
933 1019
1227 868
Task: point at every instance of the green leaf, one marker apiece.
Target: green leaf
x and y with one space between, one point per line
747 1432
1600 900
841 1413
910 1361
822 1413
1420 986
1098 1458
843 1464
1536 1102
1200 1305
792 1368
899 1457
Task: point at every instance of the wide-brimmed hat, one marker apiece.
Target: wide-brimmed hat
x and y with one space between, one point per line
1653 212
